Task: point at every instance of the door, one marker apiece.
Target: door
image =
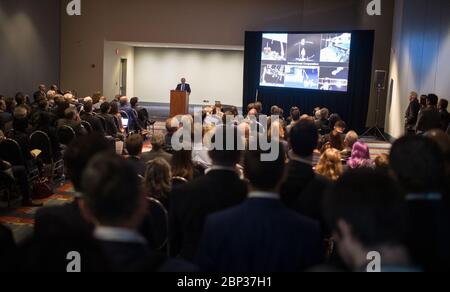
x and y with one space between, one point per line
123 76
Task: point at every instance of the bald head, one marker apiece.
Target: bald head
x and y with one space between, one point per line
123 100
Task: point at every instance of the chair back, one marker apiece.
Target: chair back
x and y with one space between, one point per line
40 140
178 180
102 121
66 135
11 152
87 126
160 222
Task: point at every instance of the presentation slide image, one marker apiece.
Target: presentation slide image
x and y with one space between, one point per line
302 77
334 72
335 48
330 84
303 48
274 47
272 75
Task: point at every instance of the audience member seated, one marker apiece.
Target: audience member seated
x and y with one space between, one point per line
20 134
114 203
429 117
134 146
419 165
252 237
350 139
5 117
183 166
45 125
72 119
445 115
133 122
220 188
303 189
158 180
336 137
158 145
20 175
360 156
330 165
323 124
366 212
117 117
88 116
110 123
381 163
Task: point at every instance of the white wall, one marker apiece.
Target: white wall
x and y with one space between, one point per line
214 75
111 69
420 56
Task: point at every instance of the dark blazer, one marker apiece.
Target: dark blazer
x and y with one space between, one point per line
60 221
192 203
412 112
187 87
138 165
261 235
4 119
303 190
148 156
429 119
95 122
111 127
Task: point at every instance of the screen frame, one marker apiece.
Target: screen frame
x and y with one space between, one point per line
350 64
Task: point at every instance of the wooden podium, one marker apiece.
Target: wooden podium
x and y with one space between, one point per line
179 103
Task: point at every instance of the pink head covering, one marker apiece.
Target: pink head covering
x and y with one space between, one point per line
360 156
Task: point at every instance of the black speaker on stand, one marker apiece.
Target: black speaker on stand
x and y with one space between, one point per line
380 84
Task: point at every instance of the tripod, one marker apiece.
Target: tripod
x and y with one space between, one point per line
375 129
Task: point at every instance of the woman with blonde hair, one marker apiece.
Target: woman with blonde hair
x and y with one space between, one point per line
330 165
158 180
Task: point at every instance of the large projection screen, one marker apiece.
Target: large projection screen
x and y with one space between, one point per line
314 61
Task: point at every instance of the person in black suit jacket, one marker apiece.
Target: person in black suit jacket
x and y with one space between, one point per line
303 190
88 116
445 115
114 201
260 235
190 204
134 146
111 127
429 117
412 112
183 86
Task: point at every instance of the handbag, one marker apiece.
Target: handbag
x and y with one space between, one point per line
42 188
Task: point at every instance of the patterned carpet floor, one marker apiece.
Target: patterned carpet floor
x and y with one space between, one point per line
21 219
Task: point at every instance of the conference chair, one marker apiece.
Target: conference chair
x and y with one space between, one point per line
178 180
40 140
11 152
160 223
65 135
87 126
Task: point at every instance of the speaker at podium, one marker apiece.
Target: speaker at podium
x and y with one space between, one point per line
179 103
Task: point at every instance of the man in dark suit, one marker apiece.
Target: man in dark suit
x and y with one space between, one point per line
41 93
190 204
134 146
303 189
118 210
158 144
111 127
183 86
445 115
429 117
72 119
88 116
412 112
5 117
260 235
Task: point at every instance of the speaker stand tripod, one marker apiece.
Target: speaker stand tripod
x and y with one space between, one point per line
375 130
